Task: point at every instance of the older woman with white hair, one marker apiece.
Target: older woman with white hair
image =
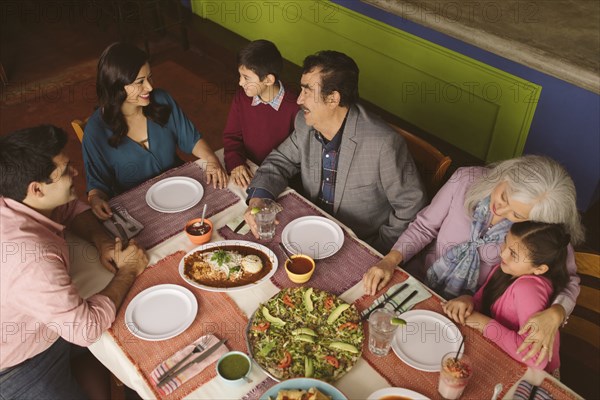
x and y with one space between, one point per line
466 224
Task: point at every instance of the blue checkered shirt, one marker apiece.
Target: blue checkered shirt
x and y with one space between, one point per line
329 161
275 103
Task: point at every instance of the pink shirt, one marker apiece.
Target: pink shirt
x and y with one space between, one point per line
38 301
445 223
528 295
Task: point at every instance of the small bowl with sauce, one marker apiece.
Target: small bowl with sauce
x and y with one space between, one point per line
234 367
199 234
300 269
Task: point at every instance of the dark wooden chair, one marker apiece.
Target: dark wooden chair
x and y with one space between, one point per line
580 338
431 163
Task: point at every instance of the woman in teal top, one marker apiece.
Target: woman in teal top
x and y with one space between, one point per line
135 132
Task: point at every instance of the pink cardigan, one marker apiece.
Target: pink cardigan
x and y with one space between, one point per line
526 296
445 223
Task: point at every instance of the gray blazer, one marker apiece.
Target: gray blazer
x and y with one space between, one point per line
378 191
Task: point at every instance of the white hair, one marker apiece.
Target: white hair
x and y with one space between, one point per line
535 180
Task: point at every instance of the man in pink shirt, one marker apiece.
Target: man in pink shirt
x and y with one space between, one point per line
41 313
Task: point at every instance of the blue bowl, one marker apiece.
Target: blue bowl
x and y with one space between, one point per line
304 383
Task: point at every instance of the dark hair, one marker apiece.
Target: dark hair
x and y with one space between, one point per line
118 66
546 244
262 58
26 156
339 73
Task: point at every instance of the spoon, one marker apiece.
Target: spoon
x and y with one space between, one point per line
199 224
285 251
497 390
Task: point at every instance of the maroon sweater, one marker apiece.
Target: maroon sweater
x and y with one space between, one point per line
252 132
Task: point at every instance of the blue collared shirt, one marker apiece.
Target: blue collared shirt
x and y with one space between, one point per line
329 162
329 156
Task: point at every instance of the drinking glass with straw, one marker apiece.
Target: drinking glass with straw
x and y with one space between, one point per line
455 373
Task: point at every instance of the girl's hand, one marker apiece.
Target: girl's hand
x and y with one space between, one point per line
459 309
541 329
241 175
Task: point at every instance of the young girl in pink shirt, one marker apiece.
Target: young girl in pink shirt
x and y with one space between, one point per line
532 271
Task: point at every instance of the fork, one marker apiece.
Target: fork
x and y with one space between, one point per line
128 224
199 348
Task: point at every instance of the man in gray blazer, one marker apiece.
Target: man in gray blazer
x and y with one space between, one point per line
352 164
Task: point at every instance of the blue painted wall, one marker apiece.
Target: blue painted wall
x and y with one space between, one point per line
566 124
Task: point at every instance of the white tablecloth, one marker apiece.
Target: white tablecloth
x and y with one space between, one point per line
90 277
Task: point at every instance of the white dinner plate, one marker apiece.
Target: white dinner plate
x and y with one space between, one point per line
393 391
161 312
317 237
242 243
425 338
175 194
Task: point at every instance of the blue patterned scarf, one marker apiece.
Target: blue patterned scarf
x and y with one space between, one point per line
457 271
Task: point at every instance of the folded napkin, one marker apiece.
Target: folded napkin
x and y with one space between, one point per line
527 391
127 222
413 284
207 341
235 222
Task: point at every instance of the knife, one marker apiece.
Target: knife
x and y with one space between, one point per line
122 233
201 357
406 300
384 301
240 226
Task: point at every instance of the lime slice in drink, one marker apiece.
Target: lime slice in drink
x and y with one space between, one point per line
254 210
397 321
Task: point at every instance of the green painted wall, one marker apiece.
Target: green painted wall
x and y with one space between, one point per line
480 109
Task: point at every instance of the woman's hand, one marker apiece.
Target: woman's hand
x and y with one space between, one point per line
99 202
241 175
541 329
214 170
381 273
215 173
459 309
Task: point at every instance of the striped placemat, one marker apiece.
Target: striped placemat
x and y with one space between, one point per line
159 226
334 274
217 315
490 363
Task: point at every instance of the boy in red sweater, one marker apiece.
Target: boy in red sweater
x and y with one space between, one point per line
262 112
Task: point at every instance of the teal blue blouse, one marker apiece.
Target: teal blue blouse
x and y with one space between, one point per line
115 170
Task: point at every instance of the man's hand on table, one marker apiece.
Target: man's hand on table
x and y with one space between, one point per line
130 262
255 202
241 175
133 257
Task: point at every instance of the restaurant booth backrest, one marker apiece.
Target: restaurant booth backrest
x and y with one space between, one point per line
431 163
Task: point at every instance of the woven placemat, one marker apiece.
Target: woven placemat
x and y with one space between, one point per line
217 314
556 391
334 274
159 226
491 364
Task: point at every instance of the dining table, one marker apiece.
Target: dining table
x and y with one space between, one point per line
226 314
